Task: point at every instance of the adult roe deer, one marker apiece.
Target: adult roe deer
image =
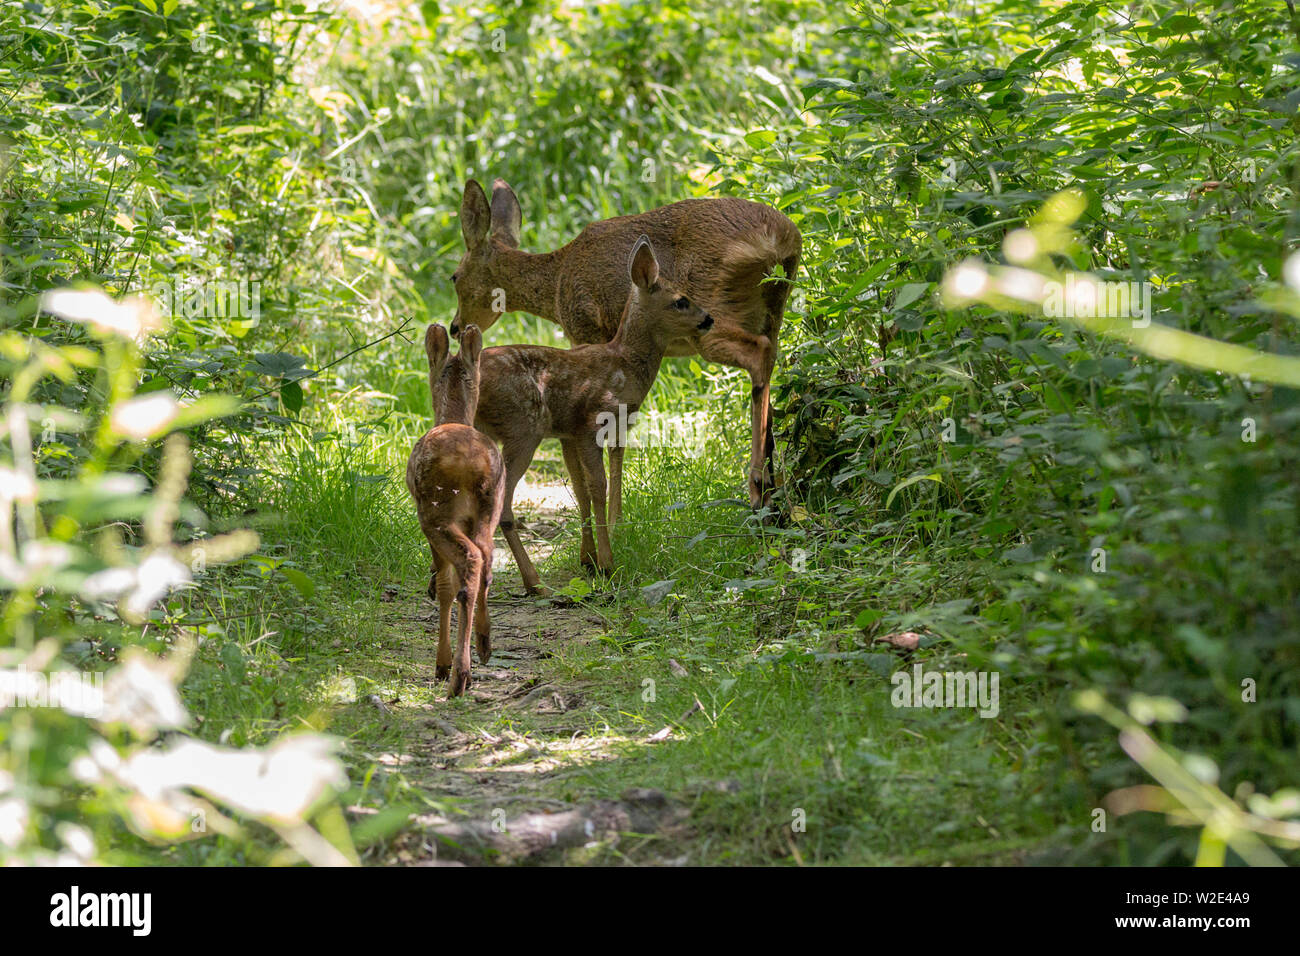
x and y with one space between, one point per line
716 251
457 479
531 392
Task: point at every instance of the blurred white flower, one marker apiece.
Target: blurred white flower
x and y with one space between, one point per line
966 281
104 757
133 318
77 839
1291 270
144 585
108 584
11 572
280 783
43 555
1020 245
119 484
1023 284
84 769
15 486
155 577
13 821
141 693
144 417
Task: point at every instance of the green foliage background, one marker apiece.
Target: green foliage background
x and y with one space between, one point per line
321 153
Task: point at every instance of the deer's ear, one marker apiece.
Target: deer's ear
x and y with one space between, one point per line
474 215
435 347
643 266
471 344
507 217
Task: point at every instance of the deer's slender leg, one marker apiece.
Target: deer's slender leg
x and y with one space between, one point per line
615 484
593 465
490 507
729 345
573 462
517 459
482 624
469 568
445 583
776 295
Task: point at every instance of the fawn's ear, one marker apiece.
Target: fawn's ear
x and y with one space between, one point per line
507 217
643 266
435 346
471 344
475 215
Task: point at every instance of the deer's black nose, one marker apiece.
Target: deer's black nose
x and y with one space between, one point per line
707 323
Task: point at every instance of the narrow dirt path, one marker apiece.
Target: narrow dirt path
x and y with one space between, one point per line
494 757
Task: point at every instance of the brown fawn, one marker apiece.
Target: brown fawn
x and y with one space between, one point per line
458 482
718 252
531 392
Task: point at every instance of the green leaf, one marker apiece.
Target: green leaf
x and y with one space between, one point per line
291 395
577 589
276 364
867 617
882 664
747 584
303 584
205 408
907 482
652 594
909 293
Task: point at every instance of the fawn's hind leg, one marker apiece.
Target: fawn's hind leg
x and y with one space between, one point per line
482 624
469 561
442 587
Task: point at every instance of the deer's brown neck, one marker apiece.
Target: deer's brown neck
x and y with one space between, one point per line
530 280
640 351
455 395
456 411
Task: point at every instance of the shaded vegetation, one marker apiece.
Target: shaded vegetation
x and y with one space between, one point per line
1112 531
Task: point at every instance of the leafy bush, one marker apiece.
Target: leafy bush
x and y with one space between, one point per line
1109 519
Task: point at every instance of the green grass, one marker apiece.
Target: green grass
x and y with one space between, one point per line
796 719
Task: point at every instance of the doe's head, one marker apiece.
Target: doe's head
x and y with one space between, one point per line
488 230
665 309
454 384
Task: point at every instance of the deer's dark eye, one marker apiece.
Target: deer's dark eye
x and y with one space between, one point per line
682 304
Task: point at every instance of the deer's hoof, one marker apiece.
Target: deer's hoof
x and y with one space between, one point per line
460 681
484 644
442 672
